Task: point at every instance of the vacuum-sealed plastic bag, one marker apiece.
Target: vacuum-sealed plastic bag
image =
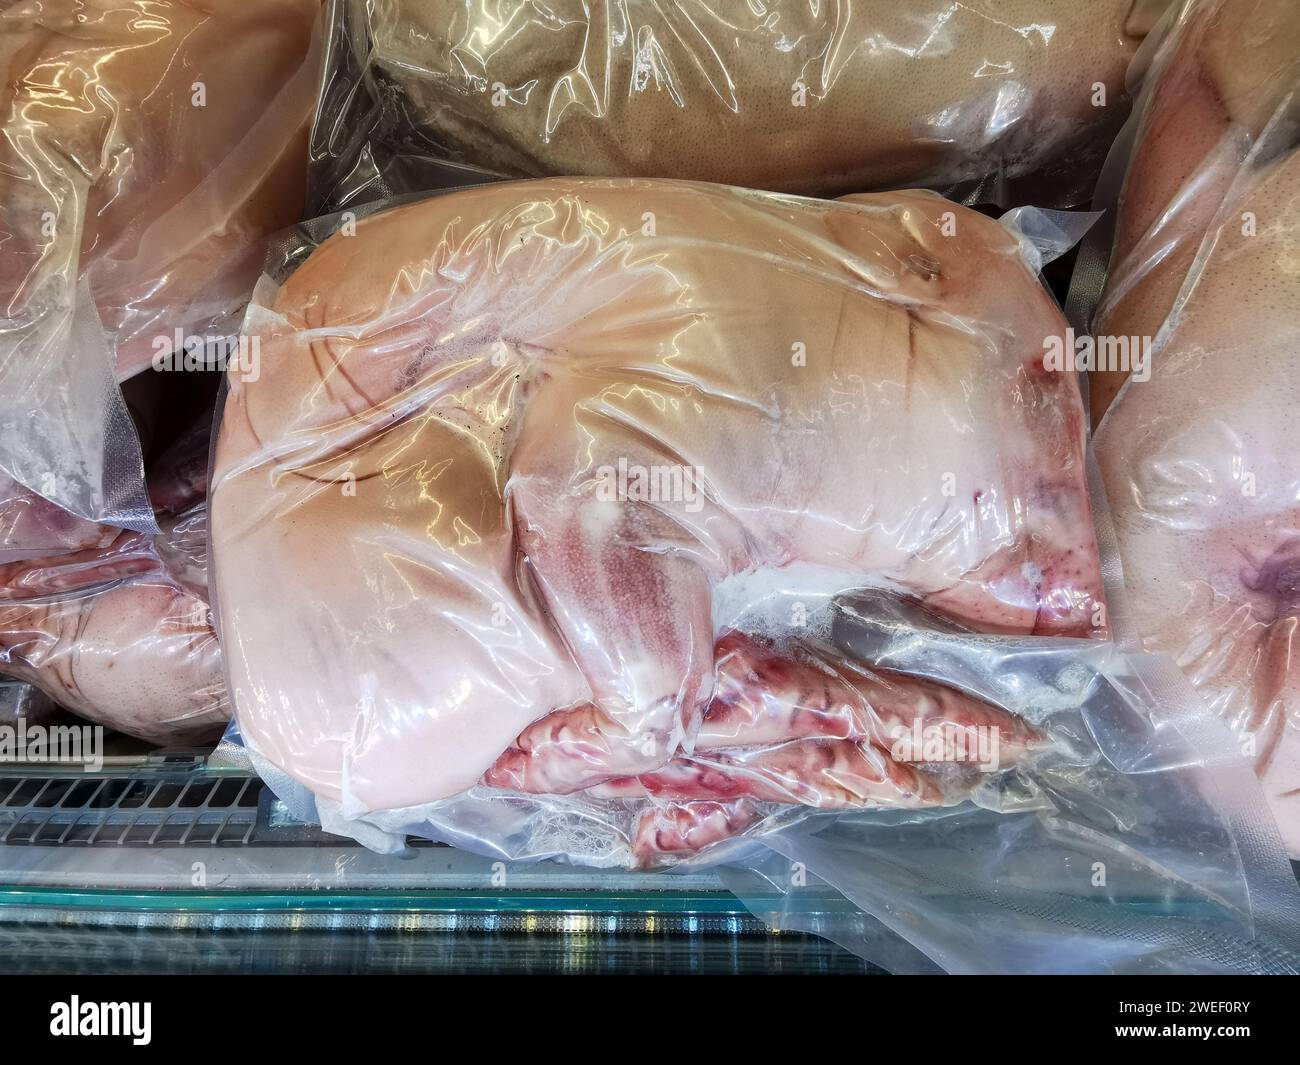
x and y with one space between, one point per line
787 96
67 441
145 148
1198 449
1137 843
572 434
1217 79
121 635
644 523
32 527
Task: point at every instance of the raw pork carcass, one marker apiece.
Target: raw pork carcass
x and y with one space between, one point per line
1213 88
508 445
146 145
121 635
783 95
1200 462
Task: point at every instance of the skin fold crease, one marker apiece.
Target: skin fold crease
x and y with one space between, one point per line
463 533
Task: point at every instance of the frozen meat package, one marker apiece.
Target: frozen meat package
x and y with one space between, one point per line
784 95
146 147
1197 437
121 635
654 523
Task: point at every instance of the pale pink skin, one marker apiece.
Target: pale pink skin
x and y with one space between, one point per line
162 211
1201 470
121 635
1200 462
1213 87
389 641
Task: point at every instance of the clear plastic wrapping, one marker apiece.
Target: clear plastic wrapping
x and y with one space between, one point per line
1198 447
23 702
658 524
787 96
31 526
121 635
1137 843
574 427
1216 79
145 148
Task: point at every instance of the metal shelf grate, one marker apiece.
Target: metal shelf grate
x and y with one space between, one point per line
130 809
97 872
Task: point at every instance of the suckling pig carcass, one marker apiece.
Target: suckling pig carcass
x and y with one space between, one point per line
146 145
1217 82
783 95
508 446
1200 462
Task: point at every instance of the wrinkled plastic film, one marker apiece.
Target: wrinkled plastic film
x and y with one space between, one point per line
121 635
1195 447
1000 602
143 158
1089 274
1170 811
1047 235
795 759
1167 817
1002 104
66 437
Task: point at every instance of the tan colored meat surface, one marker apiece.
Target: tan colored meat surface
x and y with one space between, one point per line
784 95
147 144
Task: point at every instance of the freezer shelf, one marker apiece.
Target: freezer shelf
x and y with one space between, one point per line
162 862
